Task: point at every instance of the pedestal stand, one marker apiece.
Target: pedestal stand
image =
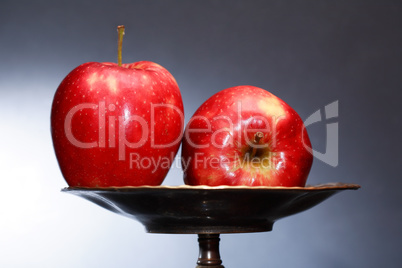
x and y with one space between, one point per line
208 211
209 251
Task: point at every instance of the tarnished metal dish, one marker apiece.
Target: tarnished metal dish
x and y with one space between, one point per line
208 210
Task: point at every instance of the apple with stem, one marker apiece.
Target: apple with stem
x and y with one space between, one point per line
117 124
245 135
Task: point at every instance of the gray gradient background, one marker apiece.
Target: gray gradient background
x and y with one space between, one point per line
309 53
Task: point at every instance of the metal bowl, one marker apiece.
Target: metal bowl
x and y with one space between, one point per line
208 210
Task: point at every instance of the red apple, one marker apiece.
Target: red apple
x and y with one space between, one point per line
117 125
245 135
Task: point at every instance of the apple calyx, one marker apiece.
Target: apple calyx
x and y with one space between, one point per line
120 30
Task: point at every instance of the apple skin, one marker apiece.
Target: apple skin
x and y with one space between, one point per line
219 141
106 118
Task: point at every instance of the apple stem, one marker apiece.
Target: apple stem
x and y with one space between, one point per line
120 30
257 138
